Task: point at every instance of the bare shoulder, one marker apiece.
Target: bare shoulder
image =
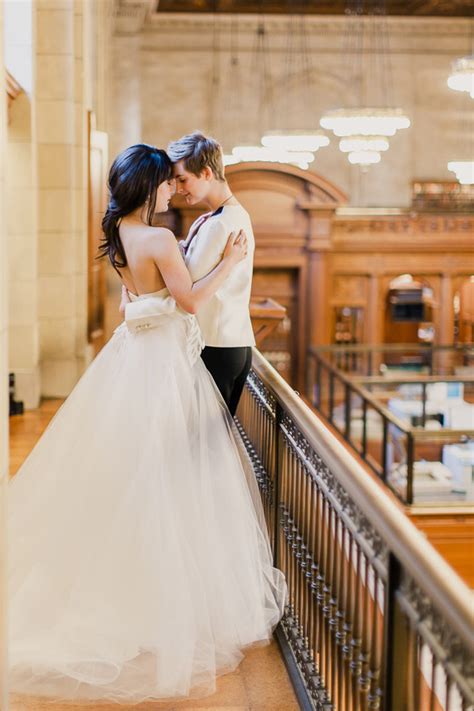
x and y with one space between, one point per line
159 239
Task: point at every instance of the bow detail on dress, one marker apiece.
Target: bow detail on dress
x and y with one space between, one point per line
148 312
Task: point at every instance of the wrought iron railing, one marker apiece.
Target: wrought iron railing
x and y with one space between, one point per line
354 406
376 619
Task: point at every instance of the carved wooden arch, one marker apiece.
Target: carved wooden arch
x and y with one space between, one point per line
286 178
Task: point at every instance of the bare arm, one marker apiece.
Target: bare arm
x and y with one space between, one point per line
191 297
124 300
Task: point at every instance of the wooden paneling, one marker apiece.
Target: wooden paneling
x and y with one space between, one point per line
453 535
314 257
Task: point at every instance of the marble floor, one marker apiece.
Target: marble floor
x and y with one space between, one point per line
259 684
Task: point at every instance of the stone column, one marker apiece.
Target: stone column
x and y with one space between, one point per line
62 235
21 185
3 384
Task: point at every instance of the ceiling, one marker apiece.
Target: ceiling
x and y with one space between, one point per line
422 8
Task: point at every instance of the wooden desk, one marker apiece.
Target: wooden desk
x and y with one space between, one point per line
266 315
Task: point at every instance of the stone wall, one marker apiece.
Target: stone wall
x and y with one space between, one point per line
162 86
3 383
65 45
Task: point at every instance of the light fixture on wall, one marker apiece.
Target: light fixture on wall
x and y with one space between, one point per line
364 129
462 75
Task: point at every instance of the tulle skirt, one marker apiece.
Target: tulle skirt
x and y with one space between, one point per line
139 567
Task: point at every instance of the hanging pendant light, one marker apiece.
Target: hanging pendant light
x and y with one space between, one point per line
364 157
295 140
298 62
462 75
270 154
365 121
462 79
363 143
293 147
366 127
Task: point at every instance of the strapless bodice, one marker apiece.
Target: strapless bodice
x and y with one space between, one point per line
151 311
140 297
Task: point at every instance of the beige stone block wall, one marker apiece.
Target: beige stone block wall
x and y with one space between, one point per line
61 117
3 385
63 57
161 88
21 199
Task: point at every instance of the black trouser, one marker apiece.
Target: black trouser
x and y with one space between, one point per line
229 367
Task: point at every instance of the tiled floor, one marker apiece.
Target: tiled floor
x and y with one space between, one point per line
259 684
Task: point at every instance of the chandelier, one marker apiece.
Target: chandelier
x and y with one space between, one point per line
365 128
269 154
366 121
462 79
295 140
287 141
462 75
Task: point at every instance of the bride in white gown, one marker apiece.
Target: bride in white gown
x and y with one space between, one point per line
138 564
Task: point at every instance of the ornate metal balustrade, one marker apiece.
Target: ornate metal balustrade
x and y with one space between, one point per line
355 406
376 619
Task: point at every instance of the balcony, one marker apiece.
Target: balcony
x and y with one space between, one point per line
376 619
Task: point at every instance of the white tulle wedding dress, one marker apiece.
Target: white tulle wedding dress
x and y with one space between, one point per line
139 567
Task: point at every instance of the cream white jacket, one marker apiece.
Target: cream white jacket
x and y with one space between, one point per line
225 319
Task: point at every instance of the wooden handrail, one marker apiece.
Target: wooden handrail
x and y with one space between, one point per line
366 395
414 379
427 567
390 347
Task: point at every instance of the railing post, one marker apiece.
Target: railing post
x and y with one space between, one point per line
364 428
423 405
277 483
317 401
384 449
347 410
395 644
310 377
331 395
410 467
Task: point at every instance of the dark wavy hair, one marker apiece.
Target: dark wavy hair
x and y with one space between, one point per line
134 178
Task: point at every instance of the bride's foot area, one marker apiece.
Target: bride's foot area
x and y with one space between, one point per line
259 684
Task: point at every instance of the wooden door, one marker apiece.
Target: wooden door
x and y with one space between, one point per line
97 203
